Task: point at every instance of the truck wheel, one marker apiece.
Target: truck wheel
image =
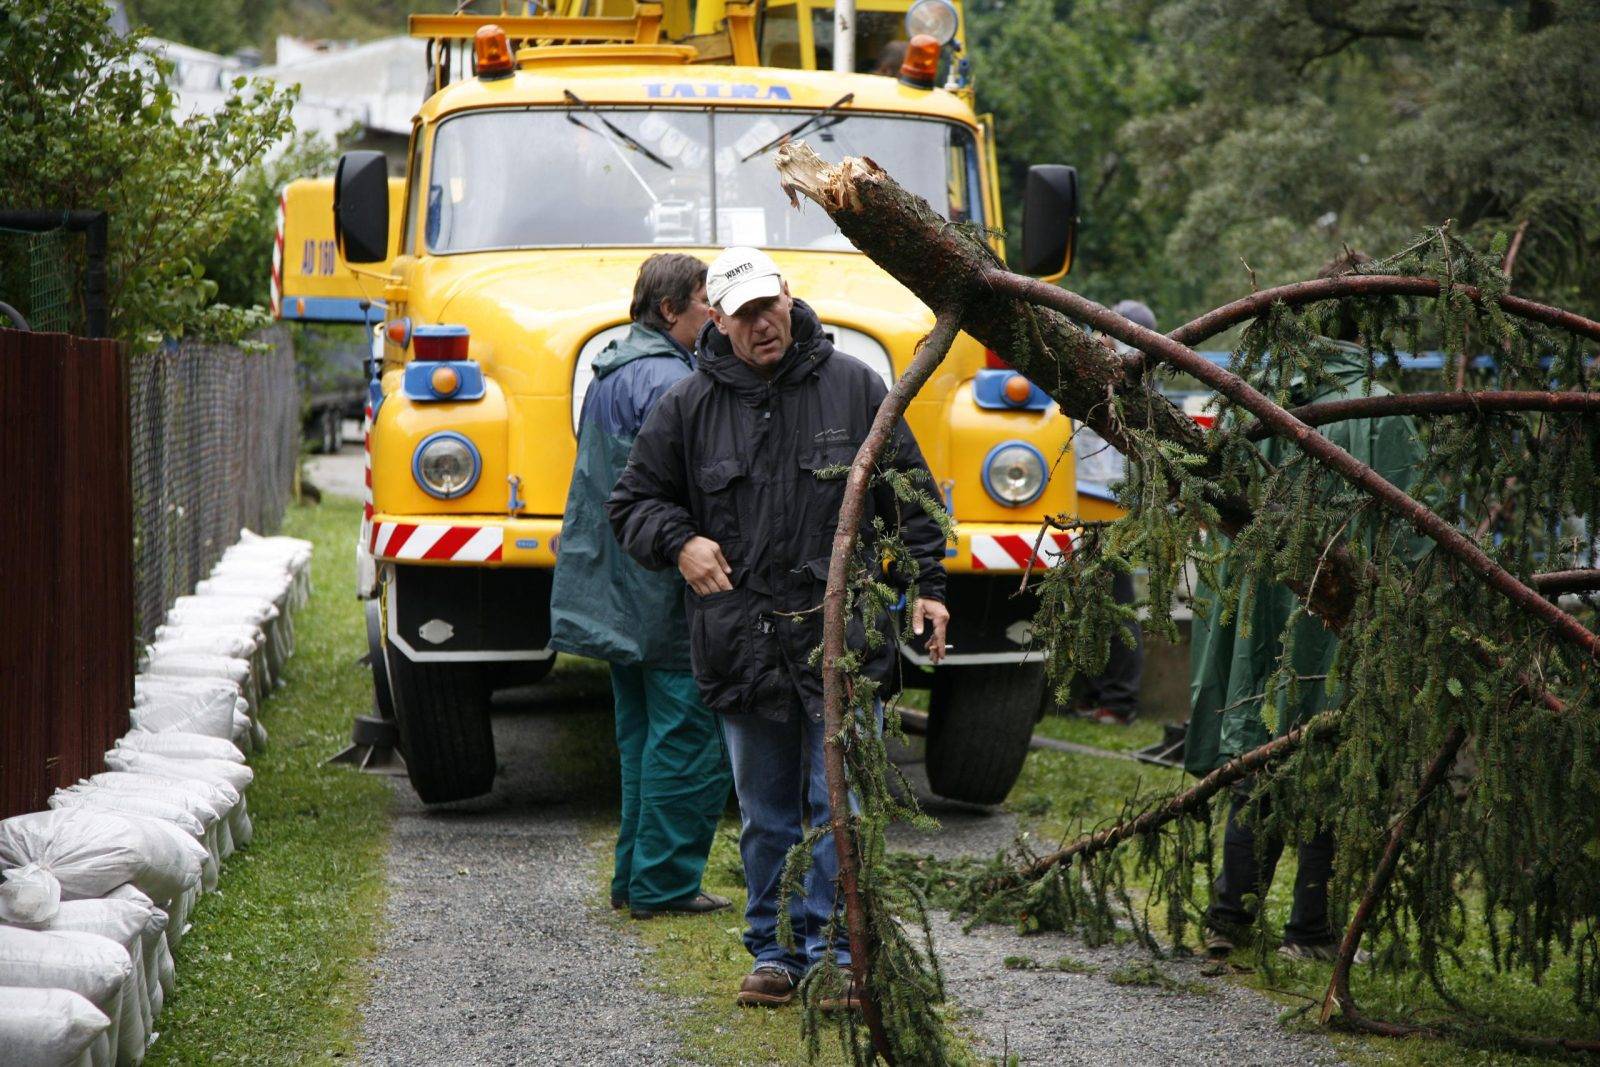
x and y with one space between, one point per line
980 719
442 710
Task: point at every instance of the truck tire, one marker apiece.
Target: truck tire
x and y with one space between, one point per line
980 719
442 710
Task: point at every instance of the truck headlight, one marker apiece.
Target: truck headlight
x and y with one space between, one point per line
864 347
1014 473
583 369
446 465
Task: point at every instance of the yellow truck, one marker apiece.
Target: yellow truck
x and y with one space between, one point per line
552 155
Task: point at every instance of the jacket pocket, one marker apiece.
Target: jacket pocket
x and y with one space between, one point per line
824 470
718 482
719 645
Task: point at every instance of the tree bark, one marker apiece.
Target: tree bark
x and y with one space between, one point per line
834 623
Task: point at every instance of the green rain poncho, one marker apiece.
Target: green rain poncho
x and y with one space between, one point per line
1230 661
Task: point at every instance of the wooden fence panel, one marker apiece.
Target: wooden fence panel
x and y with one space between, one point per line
66 564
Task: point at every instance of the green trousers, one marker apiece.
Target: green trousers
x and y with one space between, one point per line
675 782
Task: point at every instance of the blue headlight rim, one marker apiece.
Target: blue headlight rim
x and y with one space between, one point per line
422 446
988 487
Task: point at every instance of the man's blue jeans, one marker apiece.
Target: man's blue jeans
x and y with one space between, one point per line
779 777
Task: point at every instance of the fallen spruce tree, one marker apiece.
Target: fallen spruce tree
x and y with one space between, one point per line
1450 646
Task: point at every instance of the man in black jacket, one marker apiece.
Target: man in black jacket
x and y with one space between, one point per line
723 484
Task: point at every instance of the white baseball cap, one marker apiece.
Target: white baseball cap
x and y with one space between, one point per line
739 275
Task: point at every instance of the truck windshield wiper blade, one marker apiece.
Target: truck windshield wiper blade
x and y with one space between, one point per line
621 134
801 127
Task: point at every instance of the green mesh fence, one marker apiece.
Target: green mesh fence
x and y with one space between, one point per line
215 441
40 276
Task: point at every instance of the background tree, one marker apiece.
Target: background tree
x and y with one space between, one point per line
87 121
1278 132
241 262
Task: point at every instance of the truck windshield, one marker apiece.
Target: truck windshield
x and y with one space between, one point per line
615 176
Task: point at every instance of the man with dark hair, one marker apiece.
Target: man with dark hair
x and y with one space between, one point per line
733 481
604 605
1234 654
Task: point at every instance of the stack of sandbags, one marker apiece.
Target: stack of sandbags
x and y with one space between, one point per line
95 893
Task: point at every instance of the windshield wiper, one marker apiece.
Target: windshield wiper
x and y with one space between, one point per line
802 127
621 134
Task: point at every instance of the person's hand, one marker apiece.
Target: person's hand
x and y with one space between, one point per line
937 615
702 566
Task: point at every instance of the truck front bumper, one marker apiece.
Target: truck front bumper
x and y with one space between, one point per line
493 541
440 616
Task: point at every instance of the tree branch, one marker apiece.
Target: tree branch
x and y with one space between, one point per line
1282 424
1366 407
932 352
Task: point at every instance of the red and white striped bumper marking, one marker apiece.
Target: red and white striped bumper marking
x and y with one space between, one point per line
1012 552
277 259
437 541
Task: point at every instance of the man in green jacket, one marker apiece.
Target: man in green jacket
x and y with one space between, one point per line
1231 661
675 776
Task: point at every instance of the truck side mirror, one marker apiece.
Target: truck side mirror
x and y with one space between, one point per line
361 207
1049 220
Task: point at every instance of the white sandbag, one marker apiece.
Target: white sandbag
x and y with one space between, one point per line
171 809
272 589
237 775
167 809
229 668
270 575
198 798
225 643
194 665
243 632
91 852
158 957
124 922
229 608
176 744
279 542
94 967
237 829
215 693
242 640
47 1027
222 799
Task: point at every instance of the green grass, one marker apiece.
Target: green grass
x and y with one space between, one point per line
277 965
698 961
1060 792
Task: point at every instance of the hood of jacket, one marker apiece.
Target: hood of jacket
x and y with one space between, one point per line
640 342
809 348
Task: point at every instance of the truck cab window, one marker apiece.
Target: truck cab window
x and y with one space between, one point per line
530 178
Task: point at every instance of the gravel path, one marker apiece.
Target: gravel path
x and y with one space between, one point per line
1055 1016
494 954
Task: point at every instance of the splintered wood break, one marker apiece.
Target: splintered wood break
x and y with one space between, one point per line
831 185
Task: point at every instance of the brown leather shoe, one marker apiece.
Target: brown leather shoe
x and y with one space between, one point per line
699 904
768 986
